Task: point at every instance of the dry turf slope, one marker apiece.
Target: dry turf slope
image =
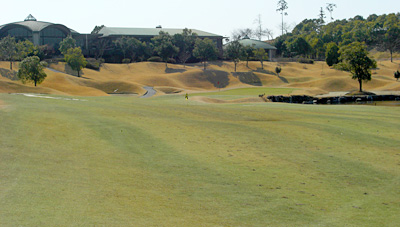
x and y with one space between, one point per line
309 79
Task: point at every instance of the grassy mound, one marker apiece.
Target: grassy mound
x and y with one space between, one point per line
131 78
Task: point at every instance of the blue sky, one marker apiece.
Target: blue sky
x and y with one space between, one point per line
215 16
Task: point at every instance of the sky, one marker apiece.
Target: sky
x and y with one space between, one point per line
215 16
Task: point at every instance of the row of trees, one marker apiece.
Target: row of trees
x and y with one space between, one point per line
312 37
236 52
177 48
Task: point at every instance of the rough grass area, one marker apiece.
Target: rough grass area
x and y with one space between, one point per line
165 161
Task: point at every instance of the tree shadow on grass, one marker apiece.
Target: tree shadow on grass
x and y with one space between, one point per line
219 79
248 78
9 74
72 72
170 70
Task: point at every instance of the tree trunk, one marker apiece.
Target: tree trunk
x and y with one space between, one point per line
391 55
247 63
35 83
360 81
10 65
78 74
204 65
262 65
235 66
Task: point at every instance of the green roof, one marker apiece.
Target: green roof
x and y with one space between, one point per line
115 31
256 44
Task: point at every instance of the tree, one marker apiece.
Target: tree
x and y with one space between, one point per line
235 52
260 31
321 18
248 54
282 6
354 59
278 70
300 47
8 49
397 75
391 38
67 44
185 42
242 33
75 59
25 48
96 29
261 55
330 7
205 50
332 54
164 47
31 69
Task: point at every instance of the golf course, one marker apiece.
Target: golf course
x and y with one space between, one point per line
88 151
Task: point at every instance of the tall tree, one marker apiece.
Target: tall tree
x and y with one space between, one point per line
330 7
261 55
260 32
185 42
31 69
321 19
96 29
300 46
235 52
164 47
205 50
67 44
391 38
332 54
75 59
248 54
25 48
242 33
354 59
282 7
8 49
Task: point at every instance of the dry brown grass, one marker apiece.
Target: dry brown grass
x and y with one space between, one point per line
312 79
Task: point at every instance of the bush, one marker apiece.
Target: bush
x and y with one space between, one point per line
126 61
306 61
93 64
101 60
171 60
397 75
155 59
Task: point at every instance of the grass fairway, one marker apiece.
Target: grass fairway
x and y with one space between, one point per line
119 161
246 92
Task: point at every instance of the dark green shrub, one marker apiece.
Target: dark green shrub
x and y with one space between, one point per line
93 64
306 61
155 59
126 61
397 75
171 60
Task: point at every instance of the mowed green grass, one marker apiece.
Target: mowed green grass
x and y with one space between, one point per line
126 161
245 92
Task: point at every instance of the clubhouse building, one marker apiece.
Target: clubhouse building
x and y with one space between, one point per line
50 34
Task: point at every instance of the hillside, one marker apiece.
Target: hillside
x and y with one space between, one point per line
131 78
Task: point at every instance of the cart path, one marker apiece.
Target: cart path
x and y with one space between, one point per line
149 92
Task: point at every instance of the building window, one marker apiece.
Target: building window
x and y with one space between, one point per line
51 36
20 34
